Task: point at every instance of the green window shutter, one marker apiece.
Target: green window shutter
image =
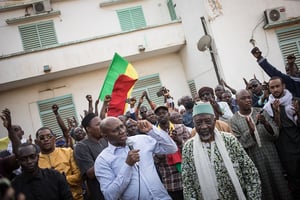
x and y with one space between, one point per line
138 17
192 87
131 18
289 42
66 110
125 21
171 10
30 37
38 35
47 33
151 84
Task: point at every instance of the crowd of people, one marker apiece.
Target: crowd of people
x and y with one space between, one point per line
219 144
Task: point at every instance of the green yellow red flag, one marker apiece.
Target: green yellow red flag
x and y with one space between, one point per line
118 83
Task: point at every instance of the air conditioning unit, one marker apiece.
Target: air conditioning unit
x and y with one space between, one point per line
41 6
275 15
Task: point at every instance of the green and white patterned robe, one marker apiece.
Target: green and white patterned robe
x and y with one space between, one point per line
243 166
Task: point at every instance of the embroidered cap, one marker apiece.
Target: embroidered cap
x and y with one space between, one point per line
203 108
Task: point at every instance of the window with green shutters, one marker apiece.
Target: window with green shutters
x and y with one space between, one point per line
171 10
66 110
289 42
131 18
151 84
38 35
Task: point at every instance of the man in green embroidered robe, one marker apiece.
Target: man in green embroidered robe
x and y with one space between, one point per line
215 165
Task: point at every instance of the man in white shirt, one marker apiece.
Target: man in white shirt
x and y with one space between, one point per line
128 171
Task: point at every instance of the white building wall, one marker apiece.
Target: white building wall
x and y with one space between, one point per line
23 101
231 27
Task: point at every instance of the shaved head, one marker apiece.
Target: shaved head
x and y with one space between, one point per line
106 123
240 92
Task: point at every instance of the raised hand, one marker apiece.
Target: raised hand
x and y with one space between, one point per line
276 105
89 98
250 125
55 109
176 136
6 118
256 52
261 118
29 141
107 98
144 126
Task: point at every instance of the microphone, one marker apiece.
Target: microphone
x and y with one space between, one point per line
129 143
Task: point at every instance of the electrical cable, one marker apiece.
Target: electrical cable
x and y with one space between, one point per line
139 177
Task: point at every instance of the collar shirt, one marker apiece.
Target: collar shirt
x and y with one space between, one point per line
118 180
47 184
62 160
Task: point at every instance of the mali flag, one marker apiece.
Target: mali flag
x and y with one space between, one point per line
118 83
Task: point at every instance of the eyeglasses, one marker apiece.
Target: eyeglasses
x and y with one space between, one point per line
205 94
253 86
45 137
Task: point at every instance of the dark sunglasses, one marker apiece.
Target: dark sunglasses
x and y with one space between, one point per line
45 137
253 86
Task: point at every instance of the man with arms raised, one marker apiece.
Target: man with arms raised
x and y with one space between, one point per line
257 133
287 117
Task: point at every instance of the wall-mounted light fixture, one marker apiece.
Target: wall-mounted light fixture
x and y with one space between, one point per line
47 68
141 47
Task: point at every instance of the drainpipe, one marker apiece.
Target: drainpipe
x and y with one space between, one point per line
211 51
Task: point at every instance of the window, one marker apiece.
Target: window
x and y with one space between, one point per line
151 84
171 10
38 35
192 87
289 42
131 18
66 110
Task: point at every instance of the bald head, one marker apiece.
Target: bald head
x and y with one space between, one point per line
241 92
244 100
114 131
107 122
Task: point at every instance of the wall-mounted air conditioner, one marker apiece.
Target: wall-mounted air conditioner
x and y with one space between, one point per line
275 15
41 6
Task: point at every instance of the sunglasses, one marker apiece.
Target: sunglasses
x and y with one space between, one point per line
253 86
45 137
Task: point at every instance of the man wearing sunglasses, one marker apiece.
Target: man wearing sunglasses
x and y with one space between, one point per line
256 89
60 159
291 83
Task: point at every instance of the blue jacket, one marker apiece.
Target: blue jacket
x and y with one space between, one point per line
291 83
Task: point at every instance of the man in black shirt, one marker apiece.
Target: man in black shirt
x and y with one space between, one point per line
37 183
86 152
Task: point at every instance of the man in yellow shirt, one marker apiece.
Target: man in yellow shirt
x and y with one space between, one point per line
60 159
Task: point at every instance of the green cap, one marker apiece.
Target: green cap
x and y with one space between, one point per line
203 108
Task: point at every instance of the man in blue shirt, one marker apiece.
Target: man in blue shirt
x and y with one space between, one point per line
128 172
